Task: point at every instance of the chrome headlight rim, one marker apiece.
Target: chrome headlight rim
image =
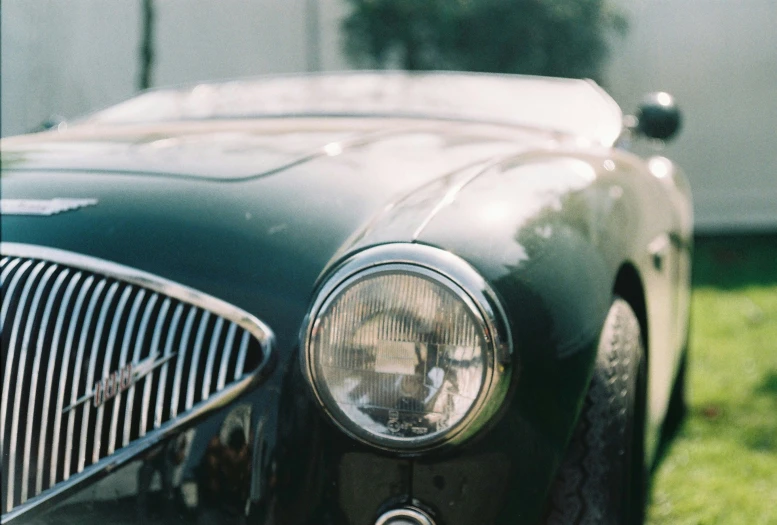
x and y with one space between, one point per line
458 277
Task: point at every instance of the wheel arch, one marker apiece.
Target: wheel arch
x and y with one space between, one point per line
628 285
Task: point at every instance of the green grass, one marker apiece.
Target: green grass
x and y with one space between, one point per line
722 466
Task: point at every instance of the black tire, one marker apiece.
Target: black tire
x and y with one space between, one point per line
602 478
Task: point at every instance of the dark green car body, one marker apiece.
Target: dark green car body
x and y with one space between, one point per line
256 203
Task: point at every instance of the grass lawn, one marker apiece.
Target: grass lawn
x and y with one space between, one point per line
722 466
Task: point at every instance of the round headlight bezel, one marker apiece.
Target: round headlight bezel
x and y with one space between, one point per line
468 285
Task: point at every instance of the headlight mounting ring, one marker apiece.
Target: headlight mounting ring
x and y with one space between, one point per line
457 277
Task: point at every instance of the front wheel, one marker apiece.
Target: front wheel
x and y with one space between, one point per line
601 480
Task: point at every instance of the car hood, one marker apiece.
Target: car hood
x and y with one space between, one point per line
249 212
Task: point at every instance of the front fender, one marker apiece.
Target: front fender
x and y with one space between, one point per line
548 232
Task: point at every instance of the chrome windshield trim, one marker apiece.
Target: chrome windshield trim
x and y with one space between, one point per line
106 269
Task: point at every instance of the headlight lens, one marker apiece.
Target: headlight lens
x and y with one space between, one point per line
400 355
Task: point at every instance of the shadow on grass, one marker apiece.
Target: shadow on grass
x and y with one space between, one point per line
769 384
676 418
735 261
764 437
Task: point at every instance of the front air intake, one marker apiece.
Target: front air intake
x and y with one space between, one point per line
96 357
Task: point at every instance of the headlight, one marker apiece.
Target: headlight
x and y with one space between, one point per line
404 348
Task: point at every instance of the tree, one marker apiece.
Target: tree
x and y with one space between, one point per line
567 38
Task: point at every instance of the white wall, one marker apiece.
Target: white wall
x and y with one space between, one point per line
718 57
228 39
64 58
72 57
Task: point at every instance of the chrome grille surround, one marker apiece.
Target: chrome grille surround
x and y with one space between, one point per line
102 361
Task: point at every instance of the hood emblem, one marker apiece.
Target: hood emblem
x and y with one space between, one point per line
43 207
120 380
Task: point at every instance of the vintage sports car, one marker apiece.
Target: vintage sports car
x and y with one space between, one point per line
364 298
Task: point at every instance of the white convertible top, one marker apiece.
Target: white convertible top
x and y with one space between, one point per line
576 107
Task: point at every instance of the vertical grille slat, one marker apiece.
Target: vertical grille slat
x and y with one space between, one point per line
79 336
11 451
225 357
9 292
212 350
90 378
129 331
107 363
187 330
9 361
241 356
77 387
161 318
76 370
63 371
190 388
33 389
128 414
160 399
53 352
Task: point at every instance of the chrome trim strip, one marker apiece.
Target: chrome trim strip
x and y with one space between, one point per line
65 362
107 366
227 354
53 352
81 458
11 452
196 360
125 342
146 400
163 372
463 280
141 335
187 330
211 357
40 287
84 285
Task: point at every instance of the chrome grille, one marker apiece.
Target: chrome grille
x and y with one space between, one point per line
96 356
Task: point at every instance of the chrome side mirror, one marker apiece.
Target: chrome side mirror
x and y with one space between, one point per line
658 116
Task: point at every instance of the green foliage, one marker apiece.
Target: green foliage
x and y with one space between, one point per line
566 38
